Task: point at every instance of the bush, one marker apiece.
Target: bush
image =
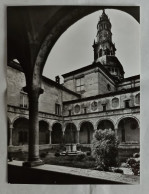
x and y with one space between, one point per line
80 157
43 155
57 154
90 158
117 170
79 147
83 148
134 163
105 148
88 153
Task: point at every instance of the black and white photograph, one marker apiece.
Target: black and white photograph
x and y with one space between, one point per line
73 95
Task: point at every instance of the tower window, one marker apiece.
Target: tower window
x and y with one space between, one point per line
104 107
108 87
23 100
80 84
127 103
57 109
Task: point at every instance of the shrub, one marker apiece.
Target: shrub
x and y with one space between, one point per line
57 154
60 148
117 170
80 157
79 147
105 148
90 158
43 155
134 163
86 149
88 153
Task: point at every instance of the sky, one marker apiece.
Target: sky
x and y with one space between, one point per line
73 49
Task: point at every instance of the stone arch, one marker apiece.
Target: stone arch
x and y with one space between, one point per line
20 131
23 117
62 25
70 133
127 116
105 122
8 120
79 126
43 132
55 123
48 123
86 132
56 133
137 99
8 130
128 130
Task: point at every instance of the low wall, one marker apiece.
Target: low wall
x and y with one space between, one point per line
52 174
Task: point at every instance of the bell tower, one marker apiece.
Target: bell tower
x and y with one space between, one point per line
104 48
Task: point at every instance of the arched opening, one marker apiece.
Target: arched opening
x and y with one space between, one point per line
137 99
20 132
75 32
86 132
128 130
70 133
43 132
56 134
8 132
105 124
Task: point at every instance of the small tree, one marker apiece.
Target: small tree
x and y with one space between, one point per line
105 148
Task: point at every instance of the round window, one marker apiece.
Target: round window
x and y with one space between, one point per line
94 106
115 102
77 108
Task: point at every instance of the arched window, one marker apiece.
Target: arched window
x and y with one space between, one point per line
43 132
128 130
105 124
56 135
137 99
115 102
20 132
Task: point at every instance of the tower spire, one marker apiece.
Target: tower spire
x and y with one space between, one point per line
104 49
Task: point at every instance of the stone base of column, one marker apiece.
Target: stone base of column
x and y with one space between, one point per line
33 163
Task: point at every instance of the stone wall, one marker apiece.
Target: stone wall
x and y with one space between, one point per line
15 83
96 105
52 94
95 82
129 83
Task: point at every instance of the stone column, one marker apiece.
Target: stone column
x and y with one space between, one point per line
50 142
63 133
116 131
63 136
78 136
10 138
33 155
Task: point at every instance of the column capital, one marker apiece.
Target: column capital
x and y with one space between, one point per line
11 126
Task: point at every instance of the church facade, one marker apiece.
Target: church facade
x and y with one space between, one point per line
94 97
